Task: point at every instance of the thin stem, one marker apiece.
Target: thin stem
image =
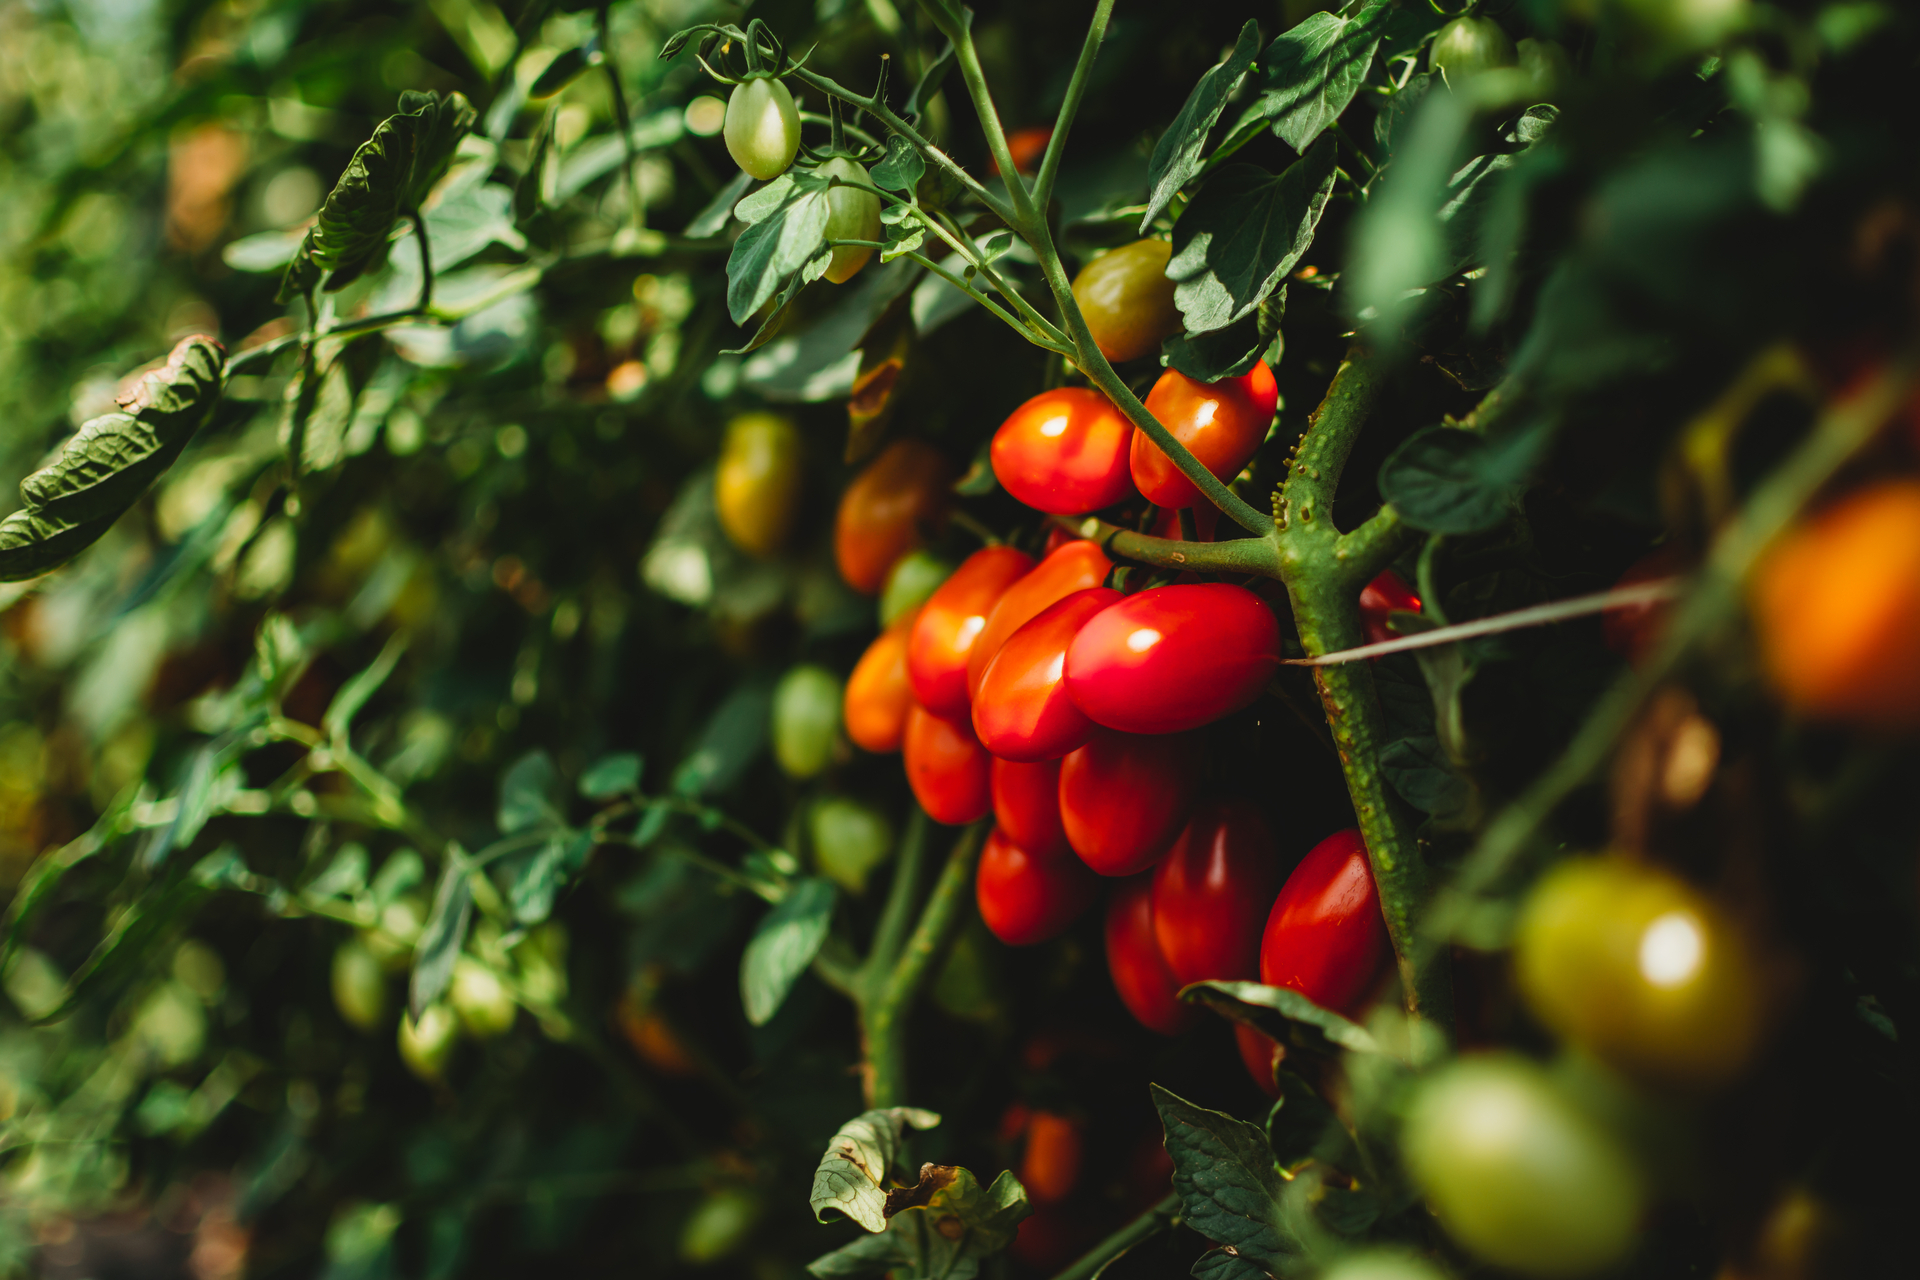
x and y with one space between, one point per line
426 260
622 119
1070 105
995 308
851 130
968 59
1164 1216
963 244
902 896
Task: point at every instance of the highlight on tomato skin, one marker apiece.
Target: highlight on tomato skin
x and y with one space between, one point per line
883 511
1026 900
1173 658
1140 974
1380 599
1026 804
1077 564
1124 797
947 768
1064 452
1024 710
1212 891
878 695
1221 423
1326 937
951 621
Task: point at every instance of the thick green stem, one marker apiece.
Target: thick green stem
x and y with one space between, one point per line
1070 105
1164 1216
902 897
1237 555
968 60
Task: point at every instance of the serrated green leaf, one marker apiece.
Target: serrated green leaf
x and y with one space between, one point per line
901 168
1284 1014
784 944
1225 1175
1446 480
527 791
1176 157
939 1229
443 936
548 872
1232 351
853 1175
786 233
1243 233
1311 72
610 776
713 219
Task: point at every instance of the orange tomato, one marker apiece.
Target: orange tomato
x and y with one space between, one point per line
1064 452
1026 146
1221 423
1076 566
883 510
951 624
1051 1165
878 695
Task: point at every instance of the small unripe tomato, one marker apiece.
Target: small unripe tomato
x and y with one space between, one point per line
878 695
1050 1166
1140 974
1466 47
426 1046
757 484
917 576
1212 891
763 127
359 986
1633 964
1024 711
1380 599
479 1000
853 213
1545 62
1173 658
1127 299
392 940
1064 452
719 1225
850 839
947 768
1261 1055
952 620
1517 1174
1683 25
882 511
1026 804
1074 565
1124 797
1325 936
806 718
1836 604
1383 1264
1633 630
1026 899
1221 423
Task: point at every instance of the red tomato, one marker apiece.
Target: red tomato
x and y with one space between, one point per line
1211 893
951 622
947 768
1140 975
1633 630
1381 598
1206 523
1023 711
1025 899
1051 1164
1064 452
1173 658
1076 566
1221 423
1124 797
1026 146
1326 937
882 511
878 696
1026 804
1057 538
1260 1053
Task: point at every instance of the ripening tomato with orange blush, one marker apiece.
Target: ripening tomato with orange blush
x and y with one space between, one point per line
950 623
947 768
1221 423
878 695
882 513
1064 452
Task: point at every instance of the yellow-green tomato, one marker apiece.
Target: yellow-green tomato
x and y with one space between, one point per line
479 1000
853 213
806 717
1383 1264
719 1226
1127 299
1633 964
756 487
912 579
392 940
1517 1174
1685 25
763 127
1467 46
359 985
426 1046
850 839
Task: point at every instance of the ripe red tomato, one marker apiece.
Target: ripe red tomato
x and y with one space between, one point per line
1221 423
882 511
1124 797
1140 975
1026 804
950 624
947 768
1633 630
1076 566
1260 1054
1050 1166
1211 893
1326 937
1064 452
1023 711
1026 899
878 696
1173 658
1379 600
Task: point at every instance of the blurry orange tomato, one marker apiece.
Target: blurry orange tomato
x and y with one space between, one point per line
1051 1165
878 695
883 510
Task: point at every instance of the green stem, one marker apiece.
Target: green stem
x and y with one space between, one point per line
902 897
1070 105
1238 555
968 60
994 308
1164 1216
961 243
621 118
426 261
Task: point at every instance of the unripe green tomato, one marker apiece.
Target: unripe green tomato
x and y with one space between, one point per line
719 1226
171 1024
913 578
359 985
392 941
1517 1174
763 127
1545 64
756 487
806 716
427 1045
1127 300
852 214
1384 1264
1685 25
479 1000
850 839
1467 46
1635 965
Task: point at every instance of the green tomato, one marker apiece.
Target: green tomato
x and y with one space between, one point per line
852 214
171 1024
806 718
719 1226
1545 64
479 1000
427 1045
392 940
913 578
763 127
359 985
1467 46
850 839
1517 1174
1685 25
1384 1264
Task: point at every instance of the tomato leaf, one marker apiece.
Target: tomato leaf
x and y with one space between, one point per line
1310 73
1447 480
565 69
549 871
527 792
713 219
853 1175
1243 233
1230 352
1225 1264
784 944
1286 1015
941 1227
1225 1175
445 933
1176 157
786 234
611 776
901 168
732 738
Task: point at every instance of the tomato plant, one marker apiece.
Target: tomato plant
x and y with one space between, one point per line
1022 710
1065 451
1173 658
757 483
950 624
1074 565
1220 423
806 719
853 213
1124 797
1212 892
879 694
762 127
948 769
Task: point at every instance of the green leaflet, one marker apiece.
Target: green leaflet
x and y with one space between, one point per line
1243 233
1224 1172
1176 158
938 1229
852 1176
1286 1015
